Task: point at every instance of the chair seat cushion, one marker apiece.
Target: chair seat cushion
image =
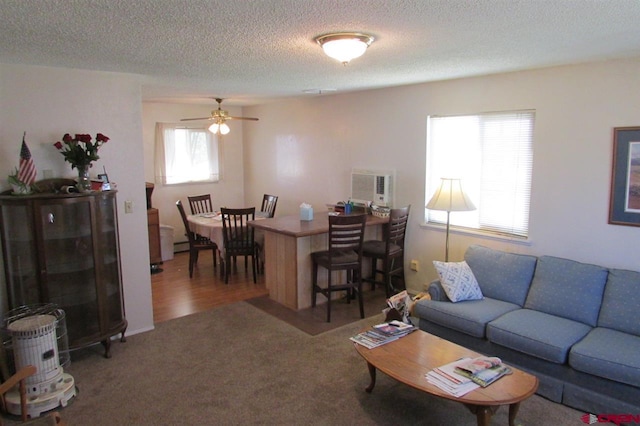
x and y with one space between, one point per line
340 258
469 317
239 247
608 353
375 248
537 333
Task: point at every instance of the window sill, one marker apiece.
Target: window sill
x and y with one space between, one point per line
478 233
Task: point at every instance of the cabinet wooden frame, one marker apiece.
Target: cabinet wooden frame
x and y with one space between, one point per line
64 249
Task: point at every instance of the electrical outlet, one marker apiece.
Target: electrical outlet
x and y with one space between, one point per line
128 206
415 265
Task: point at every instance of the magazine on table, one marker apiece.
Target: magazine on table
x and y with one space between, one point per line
381 334
483 370
371 339
395 328
446 378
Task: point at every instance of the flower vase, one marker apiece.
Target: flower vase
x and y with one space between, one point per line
84 183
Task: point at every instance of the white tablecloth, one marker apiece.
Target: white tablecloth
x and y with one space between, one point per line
210 225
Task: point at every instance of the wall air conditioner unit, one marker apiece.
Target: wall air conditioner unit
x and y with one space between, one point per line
370 186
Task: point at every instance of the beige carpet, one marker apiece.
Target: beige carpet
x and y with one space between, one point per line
236 365
313 321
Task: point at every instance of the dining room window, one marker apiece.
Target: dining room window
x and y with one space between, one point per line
186 154
492 155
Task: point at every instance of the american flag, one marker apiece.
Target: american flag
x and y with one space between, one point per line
27 170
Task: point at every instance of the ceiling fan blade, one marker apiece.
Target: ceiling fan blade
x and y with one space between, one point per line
193 119
241 118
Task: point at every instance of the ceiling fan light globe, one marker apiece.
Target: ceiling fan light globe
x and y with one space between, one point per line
214 128
224 129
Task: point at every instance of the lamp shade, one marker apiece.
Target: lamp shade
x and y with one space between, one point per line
450 197
344 46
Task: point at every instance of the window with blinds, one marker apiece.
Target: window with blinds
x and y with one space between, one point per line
492 154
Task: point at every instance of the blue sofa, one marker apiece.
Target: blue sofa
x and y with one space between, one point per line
575 326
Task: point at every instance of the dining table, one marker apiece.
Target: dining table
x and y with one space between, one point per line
209 225
288 244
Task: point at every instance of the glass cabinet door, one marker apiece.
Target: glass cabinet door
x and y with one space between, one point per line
69 272
109 259
21 255
63 249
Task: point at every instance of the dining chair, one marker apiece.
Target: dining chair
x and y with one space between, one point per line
200 204
268 209
238 238
197 243
269 203
390 250
346 235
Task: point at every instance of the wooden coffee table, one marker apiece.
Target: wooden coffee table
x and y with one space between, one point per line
409 358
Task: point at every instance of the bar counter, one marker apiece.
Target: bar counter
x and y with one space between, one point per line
288 244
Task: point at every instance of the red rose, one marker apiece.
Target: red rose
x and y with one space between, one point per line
67 138
101 138
58 145
83 138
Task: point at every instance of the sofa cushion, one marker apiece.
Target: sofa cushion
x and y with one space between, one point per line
621 300
610 354
469 317
536 333
500 275
568 289
458 281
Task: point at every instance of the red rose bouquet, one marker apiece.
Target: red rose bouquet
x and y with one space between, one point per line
80 151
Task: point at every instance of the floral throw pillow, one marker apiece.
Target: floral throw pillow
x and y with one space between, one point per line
458 281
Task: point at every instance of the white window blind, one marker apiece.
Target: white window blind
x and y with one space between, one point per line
185 154
492 154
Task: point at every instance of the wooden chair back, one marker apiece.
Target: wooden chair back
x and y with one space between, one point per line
269 203
346 235
200 204
397 227
187 230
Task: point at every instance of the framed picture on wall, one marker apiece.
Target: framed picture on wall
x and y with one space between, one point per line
624 203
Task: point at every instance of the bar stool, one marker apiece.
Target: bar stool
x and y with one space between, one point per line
346 235
388 251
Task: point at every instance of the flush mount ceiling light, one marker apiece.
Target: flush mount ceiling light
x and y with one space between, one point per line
344 46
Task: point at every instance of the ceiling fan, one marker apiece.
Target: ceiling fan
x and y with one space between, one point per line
219 118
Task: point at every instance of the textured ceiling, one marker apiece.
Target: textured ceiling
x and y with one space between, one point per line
255 51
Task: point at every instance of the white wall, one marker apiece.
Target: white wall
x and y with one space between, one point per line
304 150
49 102
229 191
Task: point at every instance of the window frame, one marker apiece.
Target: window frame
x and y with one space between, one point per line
213 152
477 226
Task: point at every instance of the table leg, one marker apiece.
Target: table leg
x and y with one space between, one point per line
372 373
513 412
483 413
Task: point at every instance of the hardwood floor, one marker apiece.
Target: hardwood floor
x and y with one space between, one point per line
176 295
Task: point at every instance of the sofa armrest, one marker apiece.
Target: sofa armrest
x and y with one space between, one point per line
436 291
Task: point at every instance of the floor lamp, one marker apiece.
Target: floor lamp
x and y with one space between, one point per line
450 198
